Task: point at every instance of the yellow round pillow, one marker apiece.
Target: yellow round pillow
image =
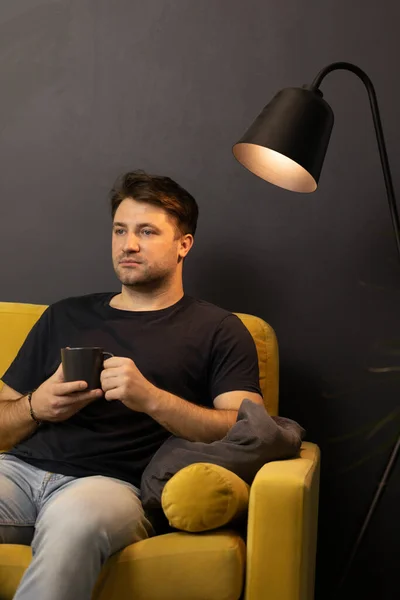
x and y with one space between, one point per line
204 496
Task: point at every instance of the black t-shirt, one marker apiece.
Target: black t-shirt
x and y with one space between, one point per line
192 349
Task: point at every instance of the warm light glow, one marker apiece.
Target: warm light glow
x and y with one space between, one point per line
275 167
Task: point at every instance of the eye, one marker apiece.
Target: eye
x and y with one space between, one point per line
147 232
119 231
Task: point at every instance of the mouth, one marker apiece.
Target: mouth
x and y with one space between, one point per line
129 262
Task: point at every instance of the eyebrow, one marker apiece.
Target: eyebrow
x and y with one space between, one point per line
138 226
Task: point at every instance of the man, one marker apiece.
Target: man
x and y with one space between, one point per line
69 485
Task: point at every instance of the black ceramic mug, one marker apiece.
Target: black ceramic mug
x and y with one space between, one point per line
84 364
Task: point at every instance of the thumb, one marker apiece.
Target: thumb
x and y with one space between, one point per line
58 375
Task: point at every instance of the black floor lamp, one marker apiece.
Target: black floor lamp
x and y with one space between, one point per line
286 146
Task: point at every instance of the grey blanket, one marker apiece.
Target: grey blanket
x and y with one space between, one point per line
255 439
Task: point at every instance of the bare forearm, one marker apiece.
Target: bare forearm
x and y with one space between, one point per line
190 421
16 423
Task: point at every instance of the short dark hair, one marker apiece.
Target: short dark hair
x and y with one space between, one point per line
160 191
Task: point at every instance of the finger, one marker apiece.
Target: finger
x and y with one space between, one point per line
88 397
76 399
112 379
111 362
69 387
113 394
116 361
58 375
109 374
107 387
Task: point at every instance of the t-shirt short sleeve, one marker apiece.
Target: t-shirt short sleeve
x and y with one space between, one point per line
28 369
233 361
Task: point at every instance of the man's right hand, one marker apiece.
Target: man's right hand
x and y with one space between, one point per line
57 400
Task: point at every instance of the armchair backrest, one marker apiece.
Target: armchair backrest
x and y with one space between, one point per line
17 319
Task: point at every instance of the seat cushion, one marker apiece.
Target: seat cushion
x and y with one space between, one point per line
175 566
13 562
204 496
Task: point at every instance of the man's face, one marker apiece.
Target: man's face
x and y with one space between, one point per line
146 245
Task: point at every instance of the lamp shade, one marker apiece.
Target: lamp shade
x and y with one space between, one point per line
287 143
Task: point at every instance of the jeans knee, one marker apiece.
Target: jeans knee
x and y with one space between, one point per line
86 529
75 527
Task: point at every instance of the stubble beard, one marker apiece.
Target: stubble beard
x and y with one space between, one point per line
145 279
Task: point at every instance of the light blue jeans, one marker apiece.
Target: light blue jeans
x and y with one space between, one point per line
73 525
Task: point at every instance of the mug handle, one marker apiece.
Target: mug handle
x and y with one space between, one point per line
109 354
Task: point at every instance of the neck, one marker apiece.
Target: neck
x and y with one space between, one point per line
135 299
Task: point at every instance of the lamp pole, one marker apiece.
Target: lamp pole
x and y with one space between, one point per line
396 229
286 146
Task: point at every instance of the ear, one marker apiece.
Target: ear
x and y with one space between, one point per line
185 244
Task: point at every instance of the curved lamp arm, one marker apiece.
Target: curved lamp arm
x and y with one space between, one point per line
378 131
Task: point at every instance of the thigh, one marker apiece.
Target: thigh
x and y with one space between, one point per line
17 507
93 506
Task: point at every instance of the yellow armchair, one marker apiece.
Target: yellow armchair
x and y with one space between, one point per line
276 561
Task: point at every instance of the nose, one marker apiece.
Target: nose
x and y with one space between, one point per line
131 243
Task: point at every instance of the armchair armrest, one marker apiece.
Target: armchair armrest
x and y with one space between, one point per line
282 528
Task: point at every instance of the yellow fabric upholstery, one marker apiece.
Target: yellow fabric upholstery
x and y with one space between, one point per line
176 566
16 321
203 496
279 551
268 359
282 525
13 562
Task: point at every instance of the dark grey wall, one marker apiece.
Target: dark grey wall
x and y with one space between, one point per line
91 88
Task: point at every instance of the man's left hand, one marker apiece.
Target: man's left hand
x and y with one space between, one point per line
122 380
